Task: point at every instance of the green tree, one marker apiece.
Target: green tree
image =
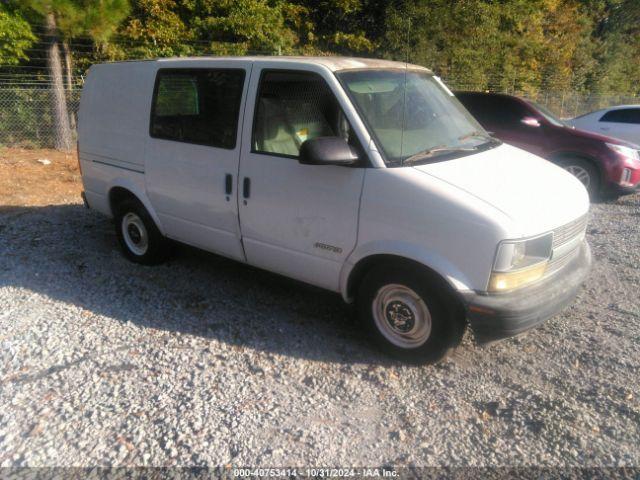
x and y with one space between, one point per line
16 37
185 27
241 26
64 20
616 40
190 27
519 45
341 26
156 28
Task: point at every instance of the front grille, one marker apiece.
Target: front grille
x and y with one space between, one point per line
568 232
563 252
556 263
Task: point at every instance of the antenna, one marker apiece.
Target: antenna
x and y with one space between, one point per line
404 93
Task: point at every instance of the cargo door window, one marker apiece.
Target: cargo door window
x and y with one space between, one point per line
293 107
198 106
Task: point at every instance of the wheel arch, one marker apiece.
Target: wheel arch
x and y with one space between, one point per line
354 273
556 157
124 190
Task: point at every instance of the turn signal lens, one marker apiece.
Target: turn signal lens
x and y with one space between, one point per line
503 281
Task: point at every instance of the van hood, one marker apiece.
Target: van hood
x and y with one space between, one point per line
535 194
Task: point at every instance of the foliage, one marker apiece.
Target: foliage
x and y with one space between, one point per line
154 29
240 26
98 19
515 45
341 26
520 45
16 37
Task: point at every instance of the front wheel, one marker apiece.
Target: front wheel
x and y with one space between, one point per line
410 314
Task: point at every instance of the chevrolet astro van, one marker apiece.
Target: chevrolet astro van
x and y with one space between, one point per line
364 177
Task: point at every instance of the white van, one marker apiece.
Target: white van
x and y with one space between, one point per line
363 177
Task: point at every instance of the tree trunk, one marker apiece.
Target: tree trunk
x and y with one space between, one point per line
63 136
68 67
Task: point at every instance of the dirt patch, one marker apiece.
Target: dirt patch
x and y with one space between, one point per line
38 177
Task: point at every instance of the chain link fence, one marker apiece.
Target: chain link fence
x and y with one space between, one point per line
27 119
570 104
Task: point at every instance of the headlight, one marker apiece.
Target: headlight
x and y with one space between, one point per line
627 152
520 262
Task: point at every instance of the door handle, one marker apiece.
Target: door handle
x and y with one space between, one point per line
228 184
246 187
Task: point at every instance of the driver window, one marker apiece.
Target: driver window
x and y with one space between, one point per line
293 107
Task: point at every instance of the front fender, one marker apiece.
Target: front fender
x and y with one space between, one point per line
443 267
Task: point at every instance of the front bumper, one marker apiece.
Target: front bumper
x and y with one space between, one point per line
498 316
617 189
624 179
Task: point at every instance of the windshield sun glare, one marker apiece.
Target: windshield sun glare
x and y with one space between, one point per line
411 115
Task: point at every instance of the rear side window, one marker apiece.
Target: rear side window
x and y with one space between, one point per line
623 115
198 106
177 95
293 107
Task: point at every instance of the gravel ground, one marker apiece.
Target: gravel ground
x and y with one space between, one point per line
207 362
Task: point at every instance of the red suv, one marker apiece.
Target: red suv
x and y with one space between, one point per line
604 165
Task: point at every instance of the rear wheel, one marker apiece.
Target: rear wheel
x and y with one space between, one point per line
584 171
138 235
410 314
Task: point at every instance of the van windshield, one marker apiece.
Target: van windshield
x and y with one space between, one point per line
413 117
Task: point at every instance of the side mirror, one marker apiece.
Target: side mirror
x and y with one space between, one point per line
530 122
327 151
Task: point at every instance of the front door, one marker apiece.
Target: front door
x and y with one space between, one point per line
298 220
193 153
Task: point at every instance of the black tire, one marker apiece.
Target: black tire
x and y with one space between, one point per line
157 248
583 169
447 319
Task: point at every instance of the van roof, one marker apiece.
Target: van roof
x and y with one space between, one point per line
330 62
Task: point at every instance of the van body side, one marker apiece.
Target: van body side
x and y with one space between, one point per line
212 152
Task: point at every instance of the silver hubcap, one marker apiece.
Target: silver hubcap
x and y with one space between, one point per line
580 173
401 316
135 234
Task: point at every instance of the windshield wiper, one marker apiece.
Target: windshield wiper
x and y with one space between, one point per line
475 133
432 151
